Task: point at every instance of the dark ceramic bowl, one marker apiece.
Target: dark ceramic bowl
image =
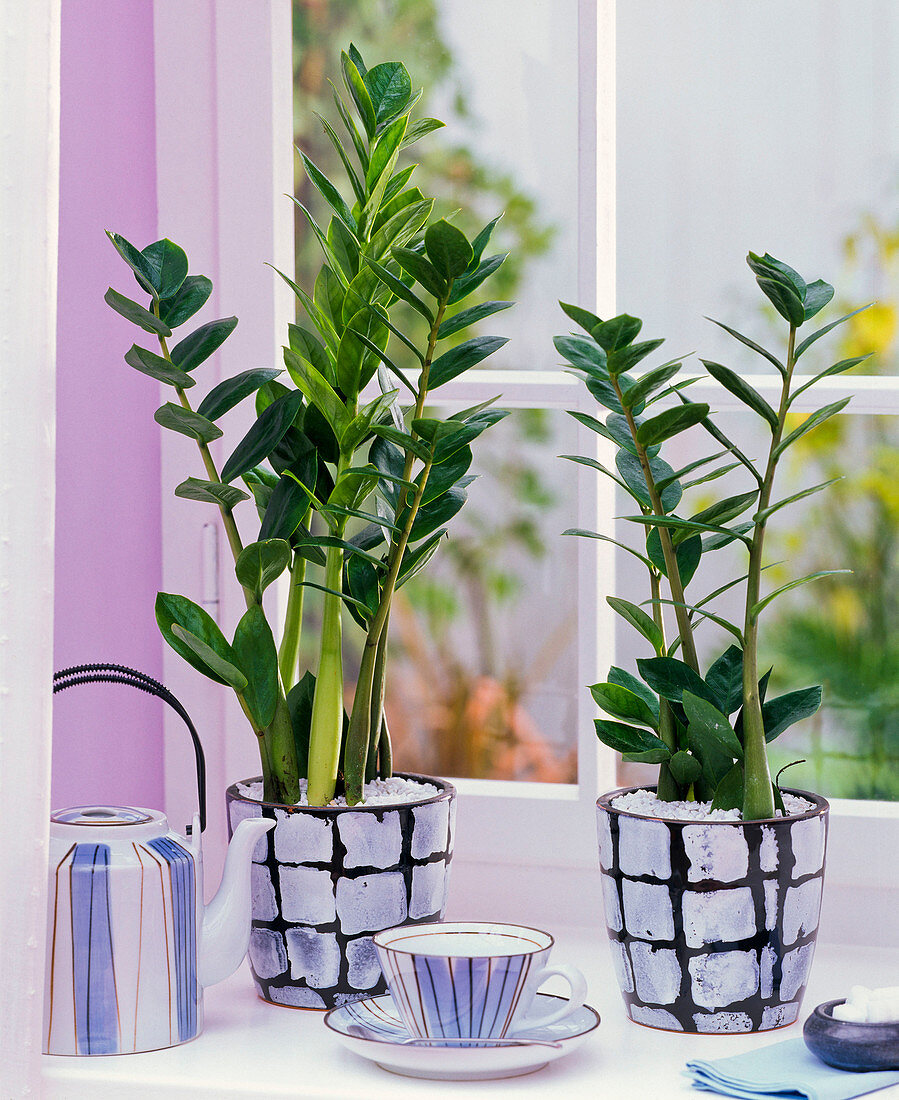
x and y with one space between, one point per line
849 1045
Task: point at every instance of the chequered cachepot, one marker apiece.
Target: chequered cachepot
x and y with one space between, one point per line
326 878
712 924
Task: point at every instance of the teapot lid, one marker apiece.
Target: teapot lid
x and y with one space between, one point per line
101 815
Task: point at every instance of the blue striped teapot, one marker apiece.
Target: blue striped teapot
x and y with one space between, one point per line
130 945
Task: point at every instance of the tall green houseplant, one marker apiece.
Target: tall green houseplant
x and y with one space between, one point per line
348 480
707 729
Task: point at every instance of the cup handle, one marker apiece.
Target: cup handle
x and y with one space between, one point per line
578 984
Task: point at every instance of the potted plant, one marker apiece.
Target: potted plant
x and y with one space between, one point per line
353 483
712 880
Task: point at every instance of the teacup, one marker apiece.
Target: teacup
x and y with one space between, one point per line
471 980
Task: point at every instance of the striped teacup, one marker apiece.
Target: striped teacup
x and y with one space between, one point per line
471 980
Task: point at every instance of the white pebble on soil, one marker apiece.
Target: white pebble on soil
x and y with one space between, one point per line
380 792
646 804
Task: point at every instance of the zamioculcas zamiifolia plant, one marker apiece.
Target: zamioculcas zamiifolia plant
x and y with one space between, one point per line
350 481
706 728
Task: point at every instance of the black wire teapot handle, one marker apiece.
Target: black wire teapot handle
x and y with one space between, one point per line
120 674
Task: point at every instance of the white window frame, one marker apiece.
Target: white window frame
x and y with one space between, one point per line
233 204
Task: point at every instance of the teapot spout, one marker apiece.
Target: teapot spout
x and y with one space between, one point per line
225 932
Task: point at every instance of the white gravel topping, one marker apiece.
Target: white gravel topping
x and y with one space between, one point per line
646 804
380 792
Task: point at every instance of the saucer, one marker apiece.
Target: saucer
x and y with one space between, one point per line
372 1028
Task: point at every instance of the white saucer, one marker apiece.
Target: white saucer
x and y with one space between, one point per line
372 1029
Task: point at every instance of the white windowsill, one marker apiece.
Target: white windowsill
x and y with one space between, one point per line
249 1048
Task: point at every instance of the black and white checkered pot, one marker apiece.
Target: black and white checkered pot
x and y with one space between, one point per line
712 924
326 878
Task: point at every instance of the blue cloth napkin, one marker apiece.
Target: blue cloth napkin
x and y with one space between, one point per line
785 1069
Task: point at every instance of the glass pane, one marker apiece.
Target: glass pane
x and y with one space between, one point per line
510 144
483 679
748 126
834 631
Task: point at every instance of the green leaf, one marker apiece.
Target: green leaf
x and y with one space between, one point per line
134 258
685 768
631 740
651 381
625 704
688 554
403 439
809 340
689 468
768 267
708 724
135 313
157 367
422 270
683 526
383 160
631 470
582 317
262 438
318 392
719 436
213 662
261 563
836 368
742 390
584 354
232 391
400 289
199 345
171 610
751 344
438 513
211 492
670 678
757 608
810 422
817 295
582 533
286 509
420 128
255 649
299 705
461 357
471 316
632 683
472 428
671 422
765 514
725 678
444 476
447 248
617 332
329 193
190 297
781 713
784 299
626 358
389 86
722 511
167 265
729 792
471 280
191 424
415 559
638 619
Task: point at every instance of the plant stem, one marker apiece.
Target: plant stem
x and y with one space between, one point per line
281 750
289 649
228 521
360 732
688 646
377 705
326 732
668 789
758 796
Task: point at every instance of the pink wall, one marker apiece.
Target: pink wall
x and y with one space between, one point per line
107 743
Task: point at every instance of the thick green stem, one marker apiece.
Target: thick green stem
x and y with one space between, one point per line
327 704
284 785
668 789
758 796
361 733
377 705
288 651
